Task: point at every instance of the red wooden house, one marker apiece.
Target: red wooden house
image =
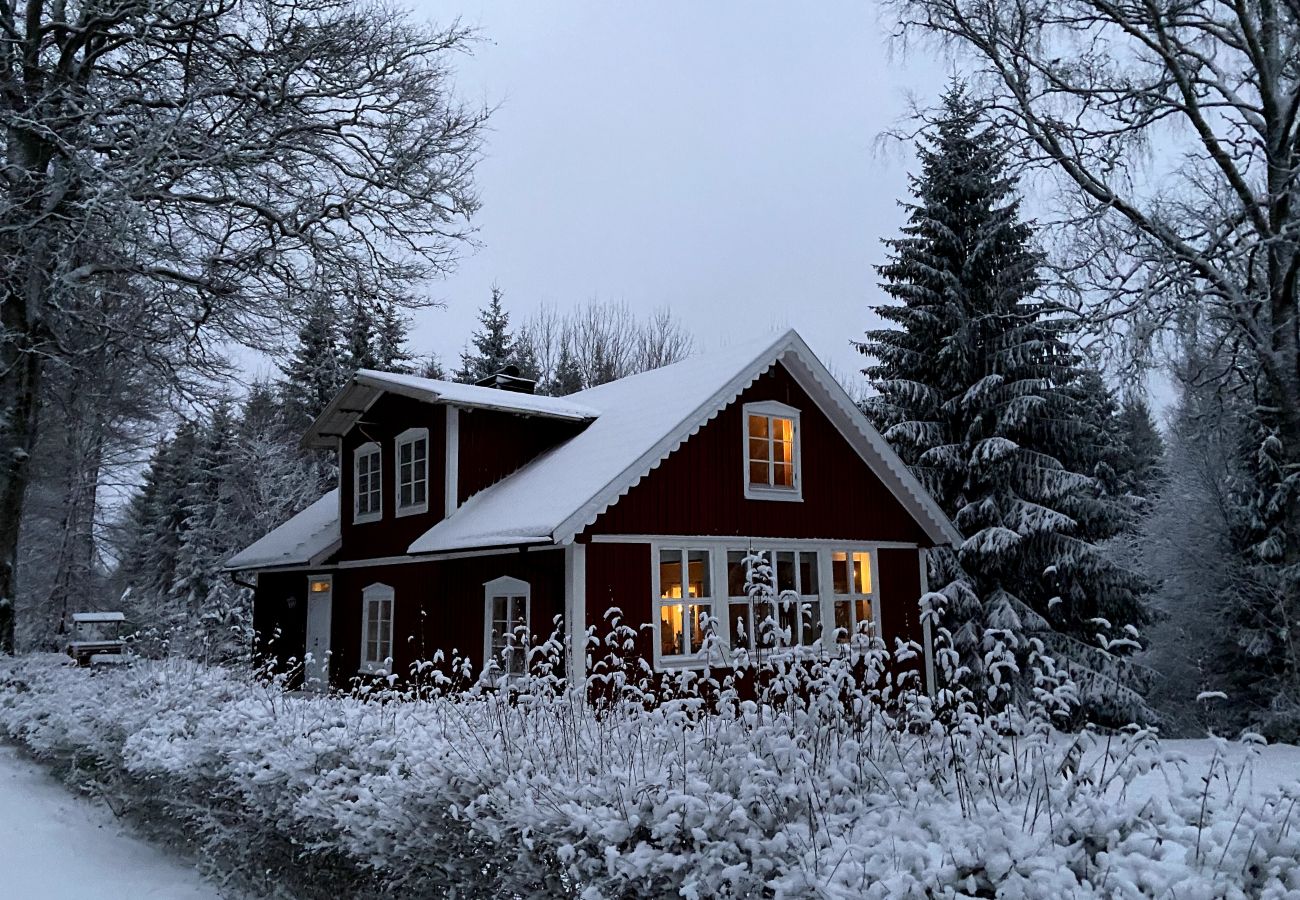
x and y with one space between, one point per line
466 511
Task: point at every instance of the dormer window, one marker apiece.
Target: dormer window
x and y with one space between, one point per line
772 464
412 452
367 500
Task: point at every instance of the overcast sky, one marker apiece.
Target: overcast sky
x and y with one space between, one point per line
718 158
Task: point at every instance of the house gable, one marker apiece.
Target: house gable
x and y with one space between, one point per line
699 488
389 534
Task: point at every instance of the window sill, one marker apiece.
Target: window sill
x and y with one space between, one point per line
783 654
793 495
368 517
411 510
374 669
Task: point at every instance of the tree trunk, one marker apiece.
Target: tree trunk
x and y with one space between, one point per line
20 376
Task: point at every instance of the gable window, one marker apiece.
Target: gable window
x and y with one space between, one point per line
367 493
412 452
772 464
685 601
851 591
506 626
377 629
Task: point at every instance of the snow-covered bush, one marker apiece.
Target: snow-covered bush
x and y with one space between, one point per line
836 778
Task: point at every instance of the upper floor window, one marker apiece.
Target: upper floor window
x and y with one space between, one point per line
412 453
377 629
772 464
367 494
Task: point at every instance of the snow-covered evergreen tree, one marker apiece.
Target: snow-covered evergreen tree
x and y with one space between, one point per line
315 371
493 344
359 338
1140 453
980 395
390 350
568 374
210 614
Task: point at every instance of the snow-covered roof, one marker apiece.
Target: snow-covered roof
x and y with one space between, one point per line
304 539
366 386
640 420
97 617
635 423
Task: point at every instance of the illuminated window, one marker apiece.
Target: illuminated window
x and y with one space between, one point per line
772 470
772 598
851 591
506 626
685 601
367 500
412 451
377 629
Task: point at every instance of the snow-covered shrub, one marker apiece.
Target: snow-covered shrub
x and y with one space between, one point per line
837 777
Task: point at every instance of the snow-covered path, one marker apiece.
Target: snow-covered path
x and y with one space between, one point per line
57 846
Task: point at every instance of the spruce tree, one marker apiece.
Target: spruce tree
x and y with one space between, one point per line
315 372
568 374
360 339
390 352
493 344
978 392
1140 450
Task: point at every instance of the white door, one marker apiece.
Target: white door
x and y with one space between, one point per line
316 663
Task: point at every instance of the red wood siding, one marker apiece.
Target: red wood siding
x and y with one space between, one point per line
900 595
618 575
437 606
699 489
390 535
493 444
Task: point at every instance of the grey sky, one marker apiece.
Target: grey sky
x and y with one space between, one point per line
718 158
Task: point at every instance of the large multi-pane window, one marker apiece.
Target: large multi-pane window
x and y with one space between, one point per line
685 600
413 471
506 626
798 597
367 485
771 451
772 598
377 628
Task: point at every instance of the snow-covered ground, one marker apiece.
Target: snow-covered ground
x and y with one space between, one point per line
57 846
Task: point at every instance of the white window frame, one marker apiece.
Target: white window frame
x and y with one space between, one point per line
409 438
691 657
718 548
830 598
508 587
370 448
772 409
377 593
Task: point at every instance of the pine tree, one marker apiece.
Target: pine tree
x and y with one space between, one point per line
431 367
315 372
979 393
1140 451
360 339
568 374
390 352
205 604
494 345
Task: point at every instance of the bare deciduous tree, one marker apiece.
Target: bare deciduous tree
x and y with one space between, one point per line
601 342
175 172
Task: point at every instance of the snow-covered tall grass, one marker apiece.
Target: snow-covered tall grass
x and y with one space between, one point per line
834 779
